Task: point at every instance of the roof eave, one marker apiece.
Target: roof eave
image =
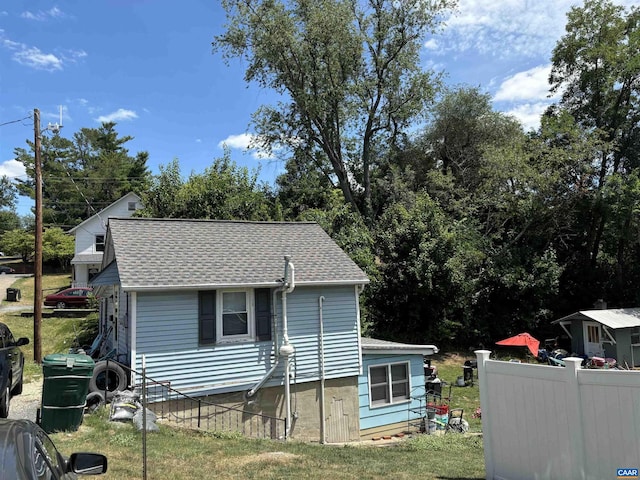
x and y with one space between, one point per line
156 288
409 350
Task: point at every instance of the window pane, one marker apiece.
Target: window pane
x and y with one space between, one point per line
400 391
234 313
379 394
378 375
398 372
234 324
234 302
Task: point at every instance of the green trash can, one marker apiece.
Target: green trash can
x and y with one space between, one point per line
64 391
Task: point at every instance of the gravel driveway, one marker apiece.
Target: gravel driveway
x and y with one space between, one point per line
26 404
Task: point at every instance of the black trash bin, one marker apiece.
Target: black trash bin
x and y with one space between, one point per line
13 294
64 392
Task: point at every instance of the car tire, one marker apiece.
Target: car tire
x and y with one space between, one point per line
61 305
17 390
94 401
5 402
109 379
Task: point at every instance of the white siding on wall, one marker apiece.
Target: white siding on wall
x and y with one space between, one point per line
167 333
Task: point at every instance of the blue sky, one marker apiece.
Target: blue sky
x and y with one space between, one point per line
148 65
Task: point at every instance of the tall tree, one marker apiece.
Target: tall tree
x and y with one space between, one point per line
84 175
223 191
596 66
350 72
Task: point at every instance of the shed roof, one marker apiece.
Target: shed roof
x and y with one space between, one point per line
374 345
613 318
178 254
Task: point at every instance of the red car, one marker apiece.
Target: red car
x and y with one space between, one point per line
69 297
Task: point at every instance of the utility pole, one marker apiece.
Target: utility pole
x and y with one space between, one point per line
37 261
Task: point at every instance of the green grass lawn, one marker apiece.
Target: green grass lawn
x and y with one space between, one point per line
183 454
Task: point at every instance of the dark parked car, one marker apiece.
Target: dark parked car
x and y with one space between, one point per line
4 269
69 297
27 453
11 367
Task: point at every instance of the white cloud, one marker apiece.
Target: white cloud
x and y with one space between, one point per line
119 115
529 114
527 85
12 169
246 142
506 28
42 15
431 44
35 58
241 141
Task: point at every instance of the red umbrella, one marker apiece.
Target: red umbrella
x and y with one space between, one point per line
522 340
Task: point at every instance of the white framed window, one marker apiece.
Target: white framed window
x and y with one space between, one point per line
131 206
234 315
389 384
235 319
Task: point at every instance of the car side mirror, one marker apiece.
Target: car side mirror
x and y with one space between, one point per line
22 341
87 463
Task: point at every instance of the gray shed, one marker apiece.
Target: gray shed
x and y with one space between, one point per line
613 333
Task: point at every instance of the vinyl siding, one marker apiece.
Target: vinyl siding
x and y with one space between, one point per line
393 413
167 333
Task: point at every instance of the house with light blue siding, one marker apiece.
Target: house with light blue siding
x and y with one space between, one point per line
391 388
261 315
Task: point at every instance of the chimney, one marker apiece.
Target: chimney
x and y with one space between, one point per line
600 304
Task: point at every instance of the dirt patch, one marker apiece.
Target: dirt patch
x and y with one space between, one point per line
269 458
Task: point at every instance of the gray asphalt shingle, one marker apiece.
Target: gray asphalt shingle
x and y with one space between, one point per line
177 253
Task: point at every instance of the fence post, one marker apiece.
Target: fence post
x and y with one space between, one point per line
144 417
483 385
574 416
199 411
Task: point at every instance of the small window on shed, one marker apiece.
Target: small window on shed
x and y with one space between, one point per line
635 335
131 206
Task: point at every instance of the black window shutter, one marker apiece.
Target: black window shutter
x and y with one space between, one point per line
263 314
207 316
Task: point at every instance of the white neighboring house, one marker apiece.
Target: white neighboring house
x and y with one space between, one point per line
90 235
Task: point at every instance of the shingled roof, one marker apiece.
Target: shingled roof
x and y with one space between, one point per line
176 254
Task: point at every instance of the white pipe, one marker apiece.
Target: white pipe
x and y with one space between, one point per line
322 400
286 350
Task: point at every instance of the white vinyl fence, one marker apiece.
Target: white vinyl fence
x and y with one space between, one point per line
543 422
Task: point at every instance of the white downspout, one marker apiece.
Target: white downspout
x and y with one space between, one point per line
287 349
322 400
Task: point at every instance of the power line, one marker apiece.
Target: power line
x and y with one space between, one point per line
15 121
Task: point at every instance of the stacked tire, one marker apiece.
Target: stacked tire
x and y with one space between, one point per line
108 378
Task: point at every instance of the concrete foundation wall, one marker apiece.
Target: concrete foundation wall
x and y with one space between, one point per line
341 411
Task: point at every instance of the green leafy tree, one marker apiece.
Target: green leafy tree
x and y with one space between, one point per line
350 73
7 192
83 175
596 67
223 191
18 242
9 220
58 247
